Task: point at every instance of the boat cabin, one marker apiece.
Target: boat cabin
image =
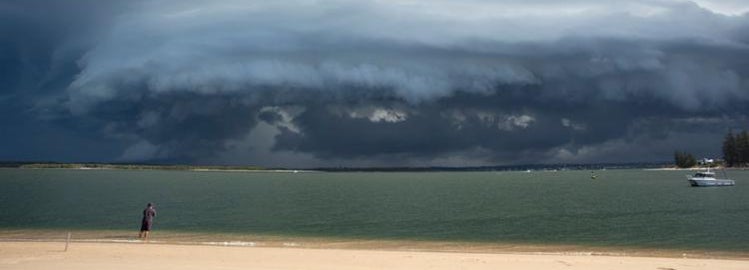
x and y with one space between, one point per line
705 175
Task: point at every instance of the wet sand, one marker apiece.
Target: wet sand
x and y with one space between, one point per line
271 241
86 255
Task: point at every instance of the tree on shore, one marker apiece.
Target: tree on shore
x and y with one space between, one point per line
736 149
742 146
730 151
684 159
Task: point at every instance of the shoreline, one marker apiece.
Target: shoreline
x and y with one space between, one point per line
165 169
80 255
324 243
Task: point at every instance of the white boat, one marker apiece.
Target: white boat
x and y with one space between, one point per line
707 179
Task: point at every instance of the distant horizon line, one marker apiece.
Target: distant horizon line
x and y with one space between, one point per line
185 166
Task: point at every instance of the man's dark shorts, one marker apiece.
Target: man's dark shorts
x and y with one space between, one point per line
145 225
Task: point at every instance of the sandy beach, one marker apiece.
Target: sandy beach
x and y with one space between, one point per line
51 255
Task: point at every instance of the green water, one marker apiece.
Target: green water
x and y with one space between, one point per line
622 208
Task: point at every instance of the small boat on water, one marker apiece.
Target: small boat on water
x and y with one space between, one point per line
707 179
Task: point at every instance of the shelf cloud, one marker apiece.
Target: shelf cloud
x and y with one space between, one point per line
303 83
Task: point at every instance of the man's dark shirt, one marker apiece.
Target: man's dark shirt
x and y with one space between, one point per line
148 214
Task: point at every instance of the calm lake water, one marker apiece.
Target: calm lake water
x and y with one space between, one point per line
624 208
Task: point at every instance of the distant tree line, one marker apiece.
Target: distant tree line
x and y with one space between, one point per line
135 167
684 159
736 149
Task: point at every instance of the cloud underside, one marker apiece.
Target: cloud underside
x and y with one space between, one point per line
388 83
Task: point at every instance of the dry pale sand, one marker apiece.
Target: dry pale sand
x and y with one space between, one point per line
50 255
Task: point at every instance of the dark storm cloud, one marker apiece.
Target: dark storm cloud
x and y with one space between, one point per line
300 83
40 43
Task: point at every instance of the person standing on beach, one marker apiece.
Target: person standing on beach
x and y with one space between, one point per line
145 225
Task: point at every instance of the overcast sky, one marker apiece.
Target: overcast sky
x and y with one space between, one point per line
305 83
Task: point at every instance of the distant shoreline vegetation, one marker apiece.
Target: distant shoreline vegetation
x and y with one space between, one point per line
177 167
684 160
106 166
736 149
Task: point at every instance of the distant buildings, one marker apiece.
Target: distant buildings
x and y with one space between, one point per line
706 161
